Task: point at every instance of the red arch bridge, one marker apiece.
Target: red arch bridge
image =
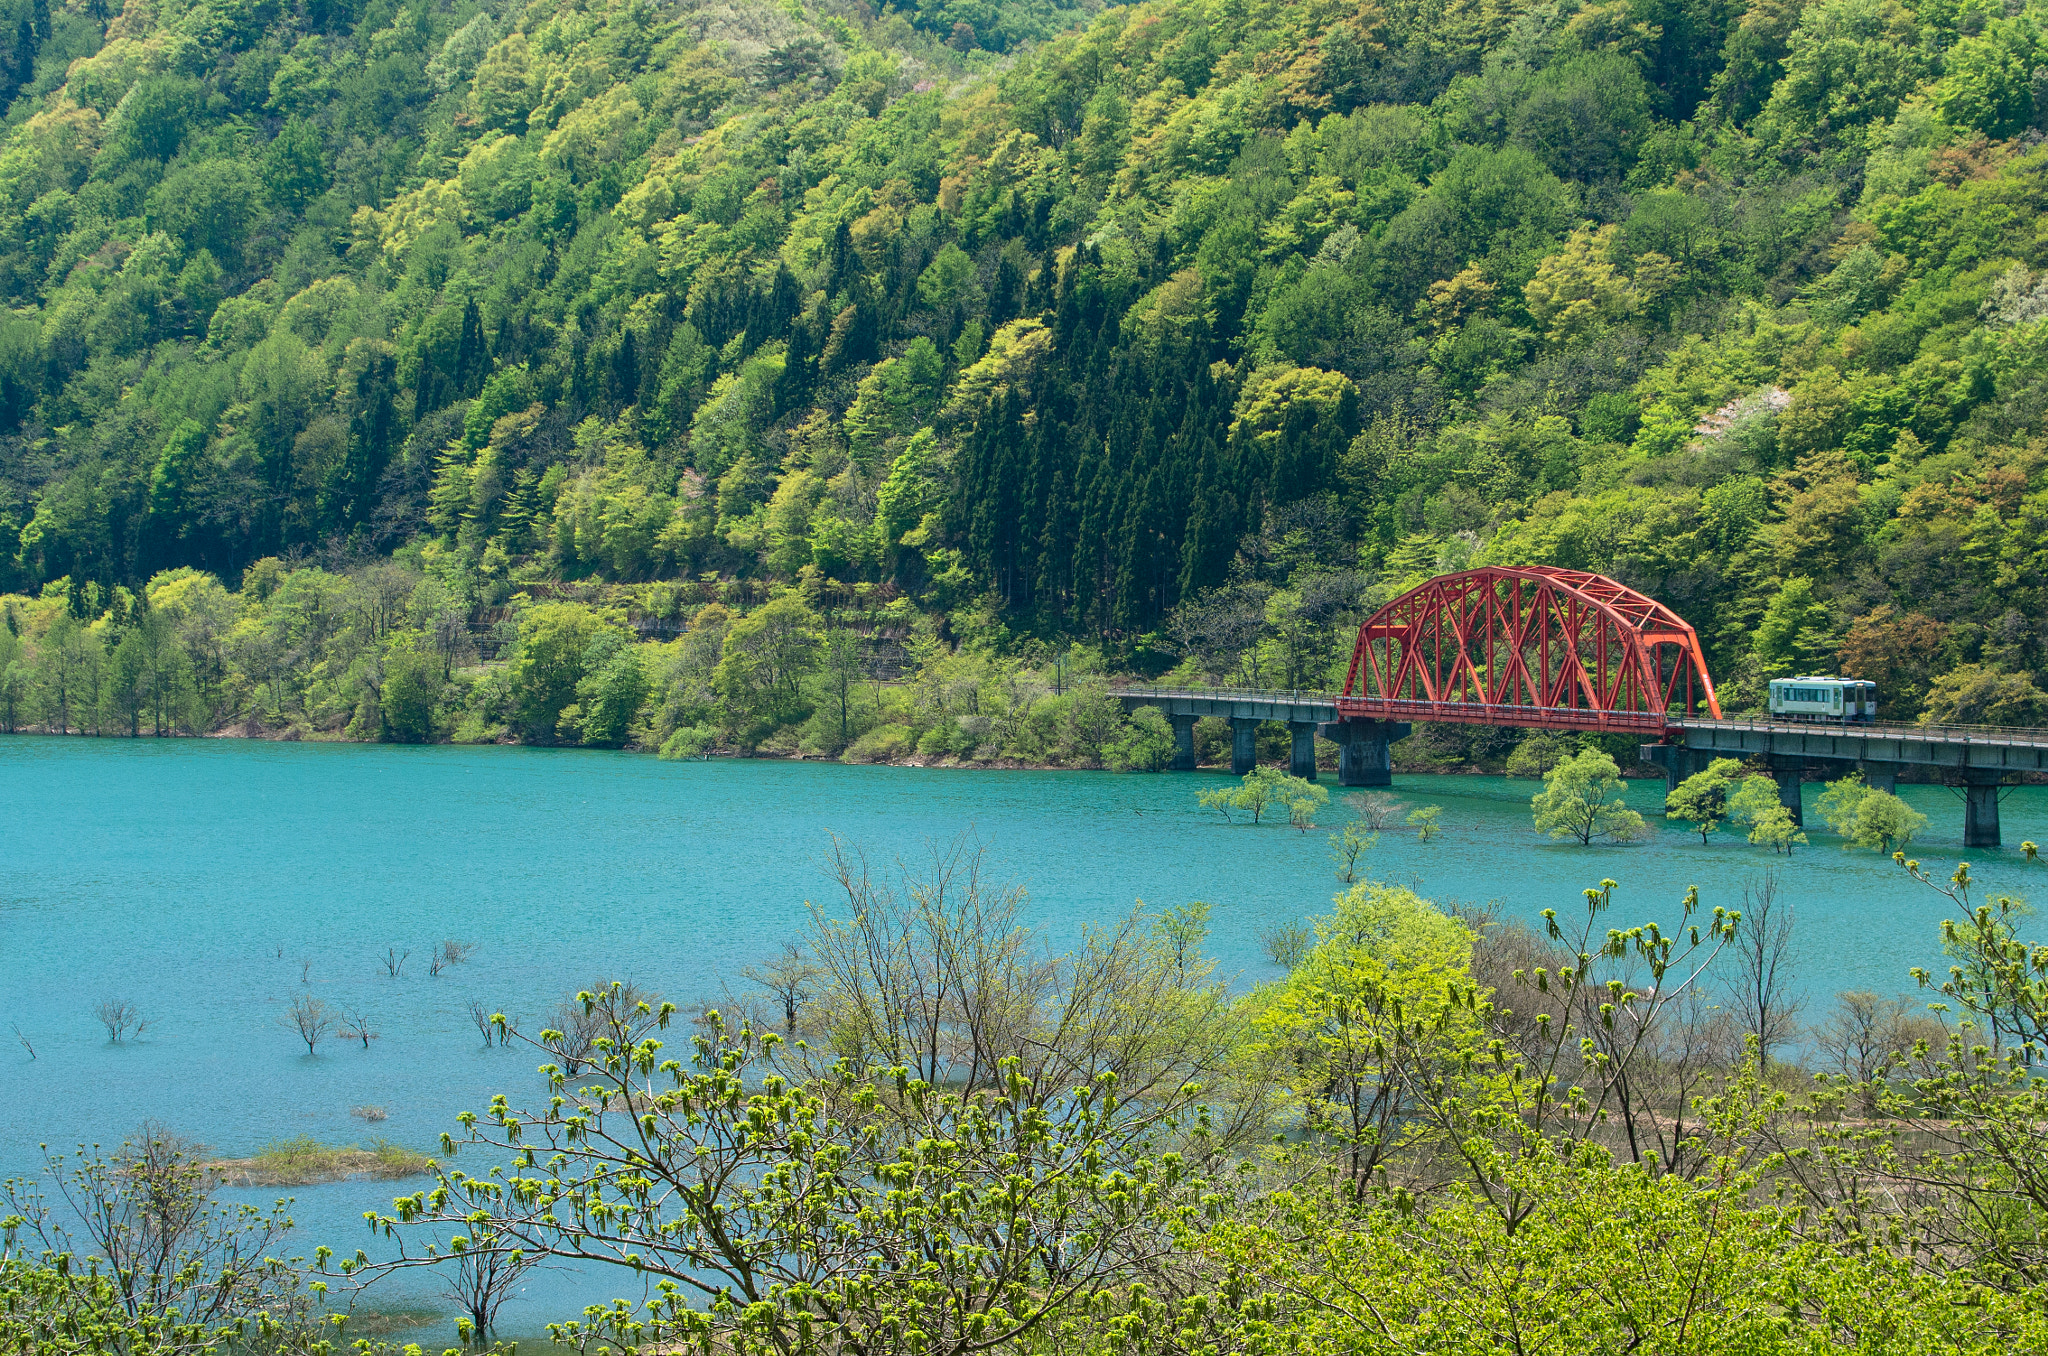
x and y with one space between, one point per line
1541 648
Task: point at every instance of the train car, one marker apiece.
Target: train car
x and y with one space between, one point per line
1847 700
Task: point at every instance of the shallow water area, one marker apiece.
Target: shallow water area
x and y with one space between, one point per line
212 881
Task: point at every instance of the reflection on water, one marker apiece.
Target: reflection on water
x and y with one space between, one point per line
212 882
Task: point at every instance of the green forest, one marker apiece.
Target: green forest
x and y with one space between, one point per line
792 375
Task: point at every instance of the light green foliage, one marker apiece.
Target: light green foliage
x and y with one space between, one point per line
1755 802
1796 632
1426 821
1303 800
1736 1276
1540 752
555 641
766 655
1868 817
1885 822
1581 801
1329 1030
688 742
1265 789
1777 830
1347 845
1145 744
1701 800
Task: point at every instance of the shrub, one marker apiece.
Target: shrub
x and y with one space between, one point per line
879 745
688 742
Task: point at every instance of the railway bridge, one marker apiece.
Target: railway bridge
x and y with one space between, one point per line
1537 647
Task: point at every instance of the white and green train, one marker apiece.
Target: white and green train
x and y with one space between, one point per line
1844 699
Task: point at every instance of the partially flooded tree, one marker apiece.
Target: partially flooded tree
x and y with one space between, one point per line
1286 944
1760 983
120 1017
789 979
450 952
310 1018
1375 811
354 1025
478 1280
1575 803
1701 800
492 1026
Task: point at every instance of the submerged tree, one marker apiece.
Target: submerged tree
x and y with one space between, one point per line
1701 800
1262 789
310 1018
1868 817
120 1017
1761 982
1574 802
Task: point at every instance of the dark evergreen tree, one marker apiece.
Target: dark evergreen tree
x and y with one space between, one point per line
623 387
472 354
349 495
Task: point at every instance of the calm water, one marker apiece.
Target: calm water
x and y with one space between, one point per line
200 879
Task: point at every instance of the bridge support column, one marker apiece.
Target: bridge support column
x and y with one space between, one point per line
1244 744
1980 810
1183 742
1880 776
1786 773
1677 761
1364 755
1301 760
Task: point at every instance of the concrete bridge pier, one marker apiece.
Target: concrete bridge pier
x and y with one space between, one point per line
1787 773
1677 761
1301 760
1880 776
1244 744
1980 810
1183 742
1365 756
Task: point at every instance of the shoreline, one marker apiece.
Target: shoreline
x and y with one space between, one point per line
301 735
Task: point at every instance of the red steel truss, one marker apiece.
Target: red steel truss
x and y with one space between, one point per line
1528 645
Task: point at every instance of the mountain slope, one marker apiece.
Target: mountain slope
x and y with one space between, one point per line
1196 328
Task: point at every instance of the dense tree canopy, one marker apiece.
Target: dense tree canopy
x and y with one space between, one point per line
1106 328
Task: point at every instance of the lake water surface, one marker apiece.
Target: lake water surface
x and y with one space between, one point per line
203 879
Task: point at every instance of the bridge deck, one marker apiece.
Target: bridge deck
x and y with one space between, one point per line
1984 746
1989 747
1242 703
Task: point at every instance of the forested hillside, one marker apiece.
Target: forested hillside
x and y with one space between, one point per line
1186 329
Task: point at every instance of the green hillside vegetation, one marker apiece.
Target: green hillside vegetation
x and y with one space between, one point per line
373 331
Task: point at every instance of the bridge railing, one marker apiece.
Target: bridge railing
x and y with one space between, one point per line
1578 718
1259 694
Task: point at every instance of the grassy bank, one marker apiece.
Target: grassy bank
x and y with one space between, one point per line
307 1162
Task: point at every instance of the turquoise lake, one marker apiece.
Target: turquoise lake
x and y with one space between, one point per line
201 879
